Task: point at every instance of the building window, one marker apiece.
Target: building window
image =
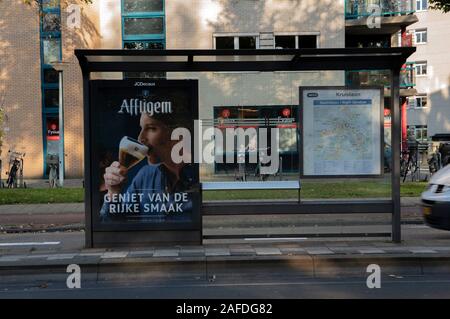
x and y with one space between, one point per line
143 23
133 6
285 42
236 42
296 41
419 101
224 43
421 36
420 132
51 22
143 45
421 68
51 76
51 50
247 42
421 5
254 118
51 98
143 26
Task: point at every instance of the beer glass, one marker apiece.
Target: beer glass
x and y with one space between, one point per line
131 152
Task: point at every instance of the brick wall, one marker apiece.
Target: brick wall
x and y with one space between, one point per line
20 78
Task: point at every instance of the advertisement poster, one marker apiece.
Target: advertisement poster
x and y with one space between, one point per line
136 178
342 131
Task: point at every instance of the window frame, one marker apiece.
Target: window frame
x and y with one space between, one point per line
297 35
419 65
421 32
149 38
416 98
419 128
140 13
236 37
422 2
143 15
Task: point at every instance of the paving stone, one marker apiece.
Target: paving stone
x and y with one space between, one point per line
114 254
242 252
422 251
344 250
394 250
191 252
267 251
293 251
90 254
166 253
142 253
217 252
61 257
287 245
371 251
319 251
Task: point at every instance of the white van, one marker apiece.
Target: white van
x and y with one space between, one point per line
436 200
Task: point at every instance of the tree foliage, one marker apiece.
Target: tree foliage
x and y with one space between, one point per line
38 2
443 5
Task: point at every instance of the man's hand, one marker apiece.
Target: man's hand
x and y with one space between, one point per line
115 177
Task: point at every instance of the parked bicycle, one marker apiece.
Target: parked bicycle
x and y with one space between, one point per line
15 172
440 158
409 165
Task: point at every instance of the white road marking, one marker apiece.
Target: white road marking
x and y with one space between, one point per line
45 243
273 239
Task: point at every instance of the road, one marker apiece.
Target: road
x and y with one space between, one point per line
270 288
236 286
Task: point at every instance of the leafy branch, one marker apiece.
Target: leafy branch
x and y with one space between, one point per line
443 5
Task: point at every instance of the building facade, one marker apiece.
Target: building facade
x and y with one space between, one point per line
37 45
47 39
429 109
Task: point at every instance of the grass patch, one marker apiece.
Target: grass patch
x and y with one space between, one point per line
41 195
326 190
310 190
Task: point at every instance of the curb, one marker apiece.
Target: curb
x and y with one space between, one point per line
231 267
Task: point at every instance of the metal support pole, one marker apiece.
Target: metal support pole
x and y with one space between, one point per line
89 243
61 130
396 146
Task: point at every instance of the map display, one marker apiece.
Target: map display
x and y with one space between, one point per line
342 132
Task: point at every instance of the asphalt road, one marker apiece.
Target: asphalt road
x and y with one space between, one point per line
269 288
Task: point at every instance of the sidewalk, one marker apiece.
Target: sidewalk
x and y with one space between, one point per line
208 262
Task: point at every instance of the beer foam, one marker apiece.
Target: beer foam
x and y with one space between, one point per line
133 147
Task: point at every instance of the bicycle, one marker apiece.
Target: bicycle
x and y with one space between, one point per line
12 175
15 172
409 164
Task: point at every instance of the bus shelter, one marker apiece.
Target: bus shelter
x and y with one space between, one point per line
158 96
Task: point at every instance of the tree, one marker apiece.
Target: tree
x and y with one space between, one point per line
38 2
443 5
